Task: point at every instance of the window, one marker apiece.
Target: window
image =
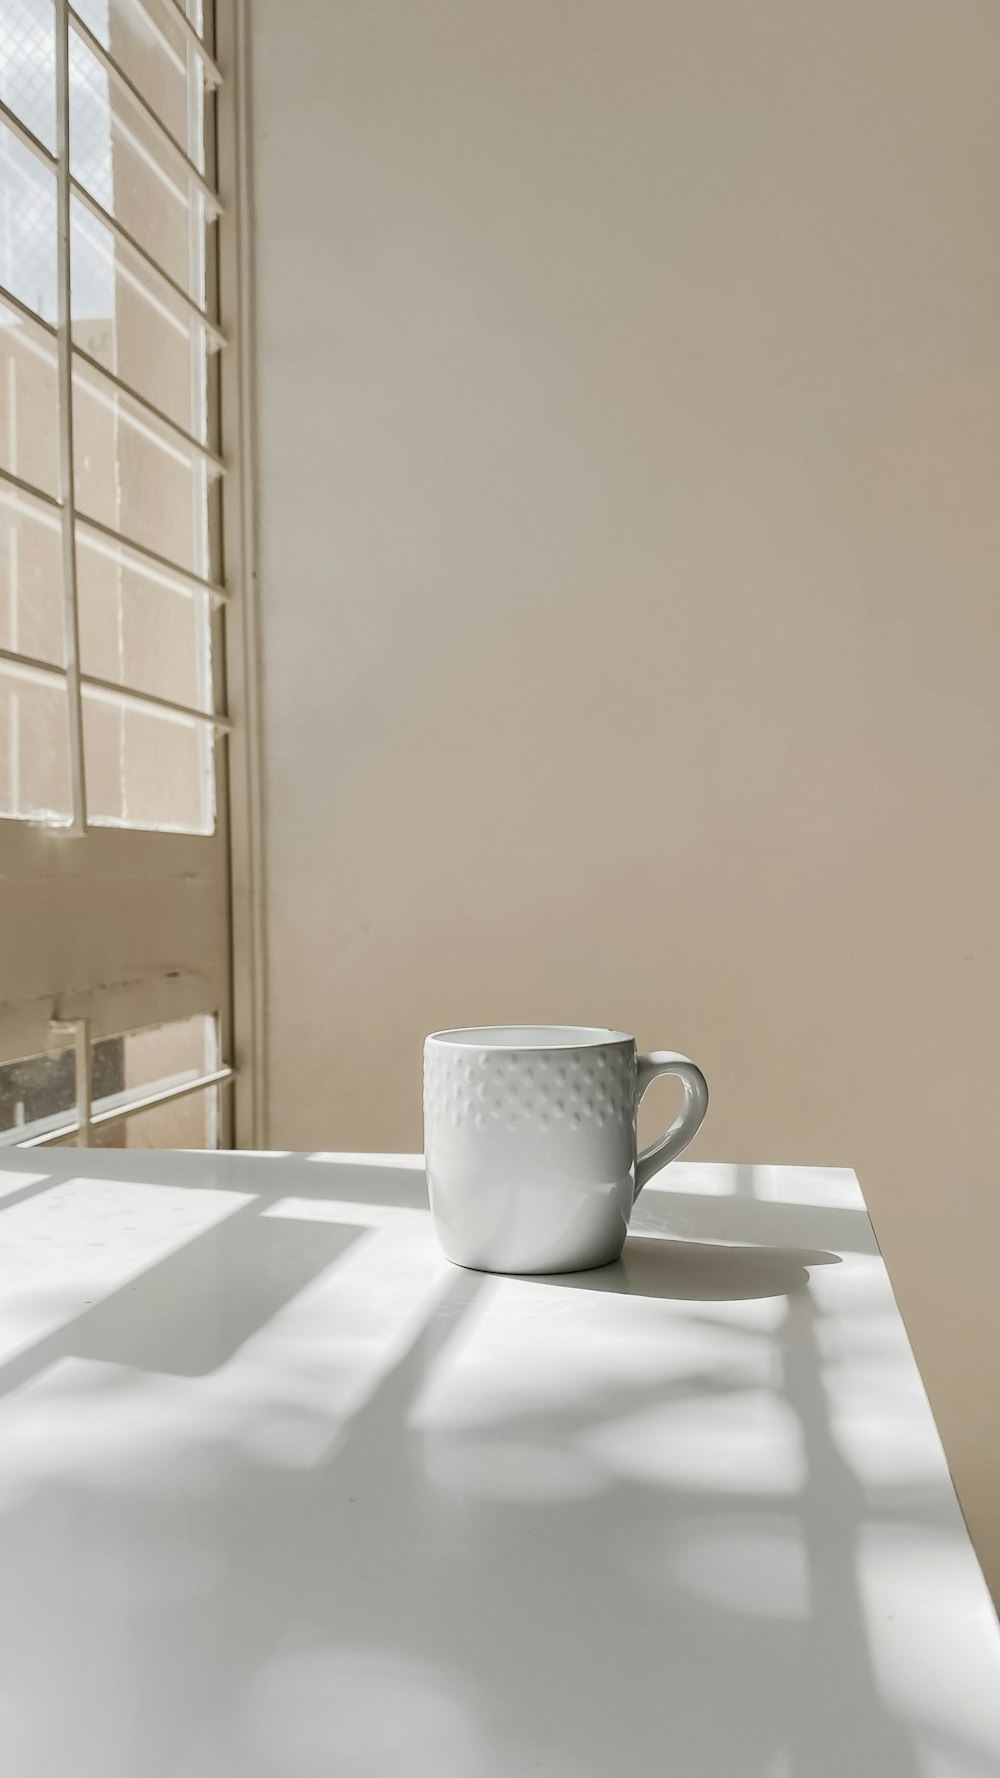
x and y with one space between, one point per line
155 1088
120 552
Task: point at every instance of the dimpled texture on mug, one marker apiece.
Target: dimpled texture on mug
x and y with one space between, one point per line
533 1088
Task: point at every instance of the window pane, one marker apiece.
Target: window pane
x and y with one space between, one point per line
90 124
142 634
140 1062
146 768
27 65
151 51
31 602
122 161
27 227
132 480
29 403
34 747
37 1093
132 323
156 1057
192 1122
94 544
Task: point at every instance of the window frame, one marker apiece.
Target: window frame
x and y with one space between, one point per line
231 159
106 929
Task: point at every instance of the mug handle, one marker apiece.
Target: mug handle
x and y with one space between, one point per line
684 1127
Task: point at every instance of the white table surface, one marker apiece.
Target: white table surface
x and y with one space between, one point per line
284 1495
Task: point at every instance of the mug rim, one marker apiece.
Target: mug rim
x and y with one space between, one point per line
570 1037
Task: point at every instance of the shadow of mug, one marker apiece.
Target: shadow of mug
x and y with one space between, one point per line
699 1271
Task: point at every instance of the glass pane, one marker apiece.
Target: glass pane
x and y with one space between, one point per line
130 479
90 123
141 1062
29 403
31 602
93 543
122 160
141 634
150 50
38 1093
132 323
146 768
192 1122
27 65
152 1059
92 297
27 227
34 747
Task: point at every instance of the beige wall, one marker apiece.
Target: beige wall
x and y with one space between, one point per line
629 454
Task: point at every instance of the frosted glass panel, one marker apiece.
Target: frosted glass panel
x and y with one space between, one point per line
151 1060
191 1122
34 747
145 768
149 45
31 601
142 634
133 323
123 162
29 403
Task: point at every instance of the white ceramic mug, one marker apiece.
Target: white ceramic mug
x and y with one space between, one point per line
529 1142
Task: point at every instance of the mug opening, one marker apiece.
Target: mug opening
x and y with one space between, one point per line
529 1037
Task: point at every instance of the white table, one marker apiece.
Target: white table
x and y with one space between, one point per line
284 1495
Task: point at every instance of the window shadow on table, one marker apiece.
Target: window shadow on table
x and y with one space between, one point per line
395 1181
187 1313
481 1592
191 1311
491 1589
547 1549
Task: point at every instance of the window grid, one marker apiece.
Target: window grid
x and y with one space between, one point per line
88 95
53 341
88 1101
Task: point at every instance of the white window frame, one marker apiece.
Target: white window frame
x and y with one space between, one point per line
105 930
244 789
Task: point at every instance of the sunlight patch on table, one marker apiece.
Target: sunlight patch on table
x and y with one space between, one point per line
932 1628
744 1442
502 1469
756 1566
